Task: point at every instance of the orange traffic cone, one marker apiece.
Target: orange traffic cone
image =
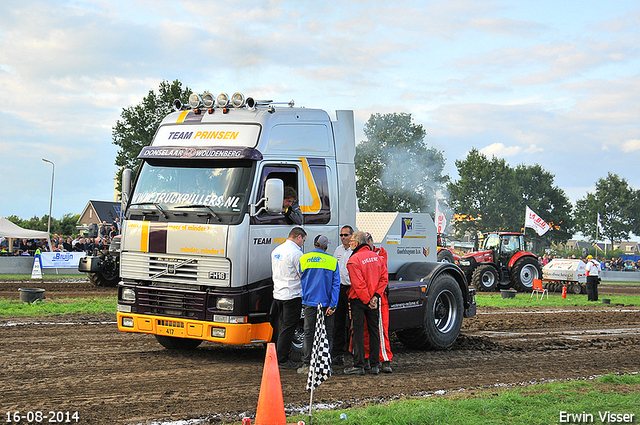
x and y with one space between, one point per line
270 402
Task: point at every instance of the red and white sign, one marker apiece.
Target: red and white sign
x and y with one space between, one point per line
533 221
441 221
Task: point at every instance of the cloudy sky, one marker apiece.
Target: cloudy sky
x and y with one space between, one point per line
547 82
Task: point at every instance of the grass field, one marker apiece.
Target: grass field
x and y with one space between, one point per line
526 300
586 401
20 277
109 304
10 308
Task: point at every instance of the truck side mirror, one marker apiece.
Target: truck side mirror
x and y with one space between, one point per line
126 187
274 196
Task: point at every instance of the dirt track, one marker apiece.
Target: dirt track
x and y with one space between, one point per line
82 363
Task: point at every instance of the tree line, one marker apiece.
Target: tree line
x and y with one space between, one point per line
64 226
396 170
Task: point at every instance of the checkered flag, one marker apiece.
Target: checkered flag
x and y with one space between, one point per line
320 366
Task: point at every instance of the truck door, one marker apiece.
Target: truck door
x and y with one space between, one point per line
268 231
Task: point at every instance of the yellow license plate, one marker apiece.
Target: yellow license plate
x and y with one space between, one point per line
170 328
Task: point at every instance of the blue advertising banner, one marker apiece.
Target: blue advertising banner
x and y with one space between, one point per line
61 259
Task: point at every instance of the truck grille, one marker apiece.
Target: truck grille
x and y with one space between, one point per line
170 302
175 268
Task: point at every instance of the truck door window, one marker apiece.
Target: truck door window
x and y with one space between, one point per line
289 176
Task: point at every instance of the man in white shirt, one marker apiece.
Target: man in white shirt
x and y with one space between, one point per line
341 321
287 293
593 271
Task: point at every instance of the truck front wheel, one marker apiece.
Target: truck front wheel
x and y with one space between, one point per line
174 343
442 319
485 278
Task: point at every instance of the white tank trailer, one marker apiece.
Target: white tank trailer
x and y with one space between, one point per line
565 271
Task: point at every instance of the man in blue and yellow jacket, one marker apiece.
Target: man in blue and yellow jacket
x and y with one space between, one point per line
320 279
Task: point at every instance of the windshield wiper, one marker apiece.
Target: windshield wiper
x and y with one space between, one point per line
155 204
213 213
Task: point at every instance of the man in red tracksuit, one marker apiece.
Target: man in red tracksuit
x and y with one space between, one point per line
383 325
368 275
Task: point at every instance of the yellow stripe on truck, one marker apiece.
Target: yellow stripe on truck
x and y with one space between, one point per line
311 184
144 237
182 116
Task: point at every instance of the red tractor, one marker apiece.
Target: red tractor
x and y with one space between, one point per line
446 254
502 263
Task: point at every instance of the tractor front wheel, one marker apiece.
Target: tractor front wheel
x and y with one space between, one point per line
485 278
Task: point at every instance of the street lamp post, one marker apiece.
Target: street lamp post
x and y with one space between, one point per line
53 170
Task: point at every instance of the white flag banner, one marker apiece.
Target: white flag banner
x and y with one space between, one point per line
600 225
533 221
441 221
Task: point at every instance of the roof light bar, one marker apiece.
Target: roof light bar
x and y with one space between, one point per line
195 100
208 100
238 100
223 100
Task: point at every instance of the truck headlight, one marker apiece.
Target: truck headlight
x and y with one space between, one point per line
464 262
224 303
128 294
218 332
229 319
127 322
124 308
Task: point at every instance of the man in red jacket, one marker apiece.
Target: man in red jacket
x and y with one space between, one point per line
383 325
368 275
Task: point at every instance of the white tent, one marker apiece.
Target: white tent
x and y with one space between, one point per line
10 230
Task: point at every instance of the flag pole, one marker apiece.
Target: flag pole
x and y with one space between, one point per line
312 369
311 397
597 230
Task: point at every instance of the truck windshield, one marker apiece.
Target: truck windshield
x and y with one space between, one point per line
169 185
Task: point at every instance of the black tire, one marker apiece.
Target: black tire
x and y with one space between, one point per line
174 343
485 278
443 317
109 276
98 279
575 289
445 256
523 272
296 343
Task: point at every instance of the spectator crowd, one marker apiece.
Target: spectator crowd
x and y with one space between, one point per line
62 243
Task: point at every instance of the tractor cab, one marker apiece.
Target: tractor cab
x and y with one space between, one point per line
503 246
